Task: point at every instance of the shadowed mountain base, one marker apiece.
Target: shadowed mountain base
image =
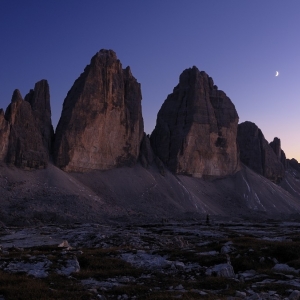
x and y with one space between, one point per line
134 194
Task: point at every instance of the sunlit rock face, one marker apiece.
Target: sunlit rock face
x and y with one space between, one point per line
25 147
256 153
101 124
196 128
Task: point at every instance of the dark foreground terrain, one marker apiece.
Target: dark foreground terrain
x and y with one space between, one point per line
203 259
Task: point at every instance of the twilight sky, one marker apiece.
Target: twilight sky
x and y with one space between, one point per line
239 43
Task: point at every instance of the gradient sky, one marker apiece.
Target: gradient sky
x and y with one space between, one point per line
239 43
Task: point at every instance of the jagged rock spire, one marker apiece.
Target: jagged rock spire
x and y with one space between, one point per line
101 124
196 127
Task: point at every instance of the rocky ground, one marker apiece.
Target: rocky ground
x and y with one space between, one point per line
203 259
29 198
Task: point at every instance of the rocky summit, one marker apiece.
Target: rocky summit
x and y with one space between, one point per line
294 164
39 99
101 124
276 146
195 132
101 165
23 142
256 153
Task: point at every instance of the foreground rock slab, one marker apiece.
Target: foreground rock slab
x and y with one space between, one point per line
173 260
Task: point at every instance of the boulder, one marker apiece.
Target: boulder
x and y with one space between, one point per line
25 144
70 266
257 154
295 295
284 268
227 248
101 125
196 127
37 269
221 270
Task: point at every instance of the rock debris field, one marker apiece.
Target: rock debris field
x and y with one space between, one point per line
168 260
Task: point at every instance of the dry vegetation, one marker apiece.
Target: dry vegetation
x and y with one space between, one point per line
113 278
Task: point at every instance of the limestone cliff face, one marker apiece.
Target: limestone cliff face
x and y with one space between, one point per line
195 132
39 99
276 146
293 163
25 147
101 124
146 152
4 135
256 153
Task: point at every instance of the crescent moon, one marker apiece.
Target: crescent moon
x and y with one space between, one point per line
277 73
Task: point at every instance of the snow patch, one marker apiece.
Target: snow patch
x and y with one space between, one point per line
258 200
246 183
291 186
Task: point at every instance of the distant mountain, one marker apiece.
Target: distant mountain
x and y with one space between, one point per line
101 124
195 132
256 153
100 165
26 129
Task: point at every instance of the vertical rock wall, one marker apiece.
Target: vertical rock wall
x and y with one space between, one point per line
276 146
25 143
39 99
256 153
101 124
195 132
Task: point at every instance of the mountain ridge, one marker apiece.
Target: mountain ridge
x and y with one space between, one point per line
198 160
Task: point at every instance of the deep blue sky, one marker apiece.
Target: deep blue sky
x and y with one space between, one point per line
239 43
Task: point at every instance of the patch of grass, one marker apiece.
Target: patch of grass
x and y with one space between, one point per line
284 252
164 281
131 290
179 254
280 289
167 295
102 264
211 260
295 263
244 263
209 283
17 286
44 249
212 246
245 243
193 256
